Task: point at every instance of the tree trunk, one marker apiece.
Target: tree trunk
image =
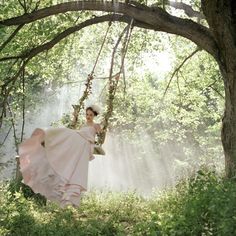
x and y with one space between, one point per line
221 17
228 131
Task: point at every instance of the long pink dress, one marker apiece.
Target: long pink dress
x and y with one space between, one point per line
58 169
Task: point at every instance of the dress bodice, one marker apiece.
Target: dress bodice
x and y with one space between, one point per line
88 132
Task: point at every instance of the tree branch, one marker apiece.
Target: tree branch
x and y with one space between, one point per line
212 87
219 93
157 18
4 140
6 89
23 5
46 46
178 68
11 37
14 126
23 105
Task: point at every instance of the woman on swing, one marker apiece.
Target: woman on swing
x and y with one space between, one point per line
54 162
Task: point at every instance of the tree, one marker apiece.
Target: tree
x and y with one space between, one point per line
218 39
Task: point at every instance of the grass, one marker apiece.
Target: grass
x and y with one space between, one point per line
203 204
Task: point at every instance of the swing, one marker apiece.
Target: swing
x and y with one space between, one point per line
113 82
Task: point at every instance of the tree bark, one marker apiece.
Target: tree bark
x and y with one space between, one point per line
156 18
228 132
221 17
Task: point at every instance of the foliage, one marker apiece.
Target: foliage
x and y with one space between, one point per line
184 125
186 122
204 204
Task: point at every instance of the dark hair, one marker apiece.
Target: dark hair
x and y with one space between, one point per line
91 109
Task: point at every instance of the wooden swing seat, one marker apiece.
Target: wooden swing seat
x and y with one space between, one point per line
98 150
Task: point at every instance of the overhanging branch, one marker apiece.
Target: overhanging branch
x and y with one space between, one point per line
46 46
155 18
11 37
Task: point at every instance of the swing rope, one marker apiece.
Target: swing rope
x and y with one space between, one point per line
113 81
77 108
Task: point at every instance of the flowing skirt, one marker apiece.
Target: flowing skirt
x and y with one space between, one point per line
54 163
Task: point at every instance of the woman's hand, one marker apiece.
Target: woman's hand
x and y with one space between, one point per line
98 128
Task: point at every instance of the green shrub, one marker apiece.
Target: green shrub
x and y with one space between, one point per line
203 204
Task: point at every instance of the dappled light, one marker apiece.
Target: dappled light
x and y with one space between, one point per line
117 117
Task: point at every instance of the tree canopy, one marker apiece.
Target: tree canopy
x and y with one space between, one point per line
40 43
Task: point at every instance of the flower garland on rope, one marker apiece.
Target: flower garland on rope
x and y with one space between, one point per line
88 87
113 81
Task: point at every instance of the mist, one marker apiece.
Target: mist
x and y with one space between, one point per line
127 165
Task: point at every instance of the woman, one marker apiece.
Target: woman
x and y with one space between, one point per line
54 162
